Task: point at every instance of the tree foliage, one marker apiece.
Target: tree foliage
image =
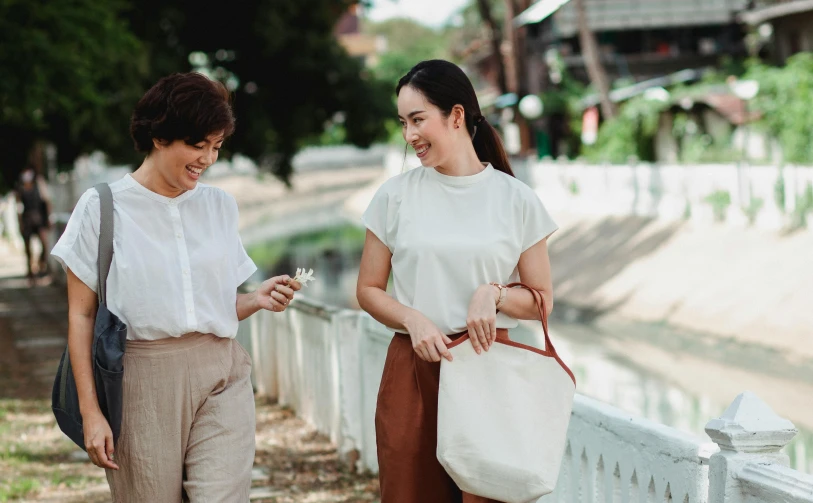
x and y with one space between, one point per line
77 68
784 100
472 28
70 70
408 43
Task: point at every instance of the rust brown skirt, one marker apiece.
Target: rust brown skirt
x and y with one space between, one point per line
406 428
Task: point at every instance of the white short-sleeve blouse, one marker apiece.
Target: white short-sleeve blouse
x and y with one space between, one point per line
177 262
450 234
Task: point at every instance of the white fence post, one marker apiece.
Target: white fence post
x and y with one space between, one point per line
748 432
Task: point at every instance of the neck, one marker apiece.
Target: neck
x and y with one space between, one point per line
151 178
463 163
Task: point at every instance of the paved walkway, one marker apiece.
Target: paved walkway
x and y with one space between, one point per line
293 463
33 329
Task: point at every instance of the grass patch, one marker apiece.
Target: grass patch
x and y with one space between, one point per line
17 406
70 480
15 454
17 489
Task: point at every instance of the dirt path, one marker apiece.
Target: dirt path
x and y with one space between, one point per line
293 463
37 462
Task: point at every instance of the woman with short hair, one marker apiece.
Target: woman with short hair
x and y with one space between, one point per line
188 416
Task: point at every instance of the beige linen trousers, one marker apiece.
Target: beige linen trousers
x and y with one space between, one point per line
188 422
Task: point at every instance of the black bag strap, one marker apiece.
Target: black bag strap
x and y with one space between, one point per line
105 238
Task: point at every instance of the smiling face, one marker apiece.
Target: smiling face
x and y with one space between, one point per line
180 165
425 127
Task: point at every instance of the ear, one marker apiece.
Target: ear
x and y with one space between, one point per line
458 116
159 143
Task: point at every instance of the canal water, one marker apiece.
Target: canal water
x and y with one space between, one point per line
667 375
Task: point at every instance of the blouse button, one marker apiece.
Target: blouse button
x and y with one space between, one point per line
178 235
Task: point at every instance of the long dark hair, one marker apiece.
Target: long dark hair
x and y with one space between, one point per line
445 85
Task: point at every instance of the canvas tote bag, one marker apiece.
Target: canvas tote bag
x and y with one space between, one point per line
107 350
503 416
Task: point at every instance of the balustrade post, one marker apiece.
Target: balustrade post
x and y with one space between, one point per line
748 431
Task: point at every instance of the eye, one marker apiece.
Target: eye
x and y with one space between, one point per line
418 120
403 124
199 147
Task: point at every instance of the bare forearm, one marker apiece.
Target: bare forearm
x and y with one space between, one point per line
80 338
384 308
520 304
246 305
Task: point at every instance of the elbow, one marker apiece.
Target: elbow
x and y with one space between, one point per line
361 297
365 296
548 306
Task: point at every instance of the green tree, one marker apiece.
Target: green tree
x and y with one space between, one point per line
784 101
70 68
408 43
73 70
290 76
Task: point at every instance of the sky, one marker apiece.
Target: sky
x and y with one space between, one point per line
433 13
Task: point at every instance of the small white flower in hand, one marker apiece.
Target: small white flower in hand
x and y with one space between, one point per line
303 277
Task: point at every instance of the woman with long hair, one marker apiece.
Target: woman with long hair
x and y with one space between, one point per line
452 234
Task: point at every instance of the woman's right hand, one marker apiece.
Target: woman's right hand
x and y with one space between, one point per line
427 339
99 440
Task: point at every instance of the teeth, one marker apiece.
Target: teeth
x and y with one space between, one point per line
197 171
422 150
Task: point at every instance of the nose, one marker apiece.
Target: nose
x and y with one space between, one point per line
410 134
208 157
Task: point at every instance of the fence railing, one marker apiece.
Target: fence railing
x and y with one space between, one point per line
326 364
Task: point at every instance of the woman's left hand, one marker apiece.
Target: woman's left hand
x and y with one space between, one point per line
275 294
482 318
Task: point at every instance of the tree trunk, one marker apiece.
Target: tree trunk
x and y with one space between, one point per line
496 42
517 65
517 38
592 60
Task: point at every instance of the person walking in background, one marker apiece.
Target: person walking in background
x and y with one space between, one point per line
34 210
452 234
188 425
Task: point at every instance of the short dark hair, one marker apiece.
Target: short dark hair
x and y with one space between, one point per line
181 106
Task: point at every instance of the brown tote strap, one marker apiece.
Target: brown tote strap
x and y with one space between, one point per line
543 313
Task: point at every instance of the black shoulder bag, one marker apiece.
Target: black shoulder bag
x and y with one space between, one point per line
107 350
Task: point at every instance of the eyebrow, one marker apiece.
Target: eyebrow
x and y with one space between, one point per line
206 140
413 113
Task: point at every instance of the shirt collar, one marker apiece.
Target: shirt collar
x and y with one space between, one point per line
172 201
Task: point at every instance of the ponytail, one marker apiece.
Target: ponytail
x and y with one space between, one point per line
488 145
445 85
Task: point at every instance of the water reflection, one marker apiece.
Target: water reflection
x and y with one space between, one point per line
666 384
334 255
614 378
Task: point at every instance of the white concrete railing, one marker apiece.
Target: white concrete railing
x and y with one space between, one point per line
771 194
750 467
326 364
612 456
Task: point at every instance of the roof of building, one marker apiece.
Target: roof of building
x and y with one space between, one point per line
617 15
767 12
